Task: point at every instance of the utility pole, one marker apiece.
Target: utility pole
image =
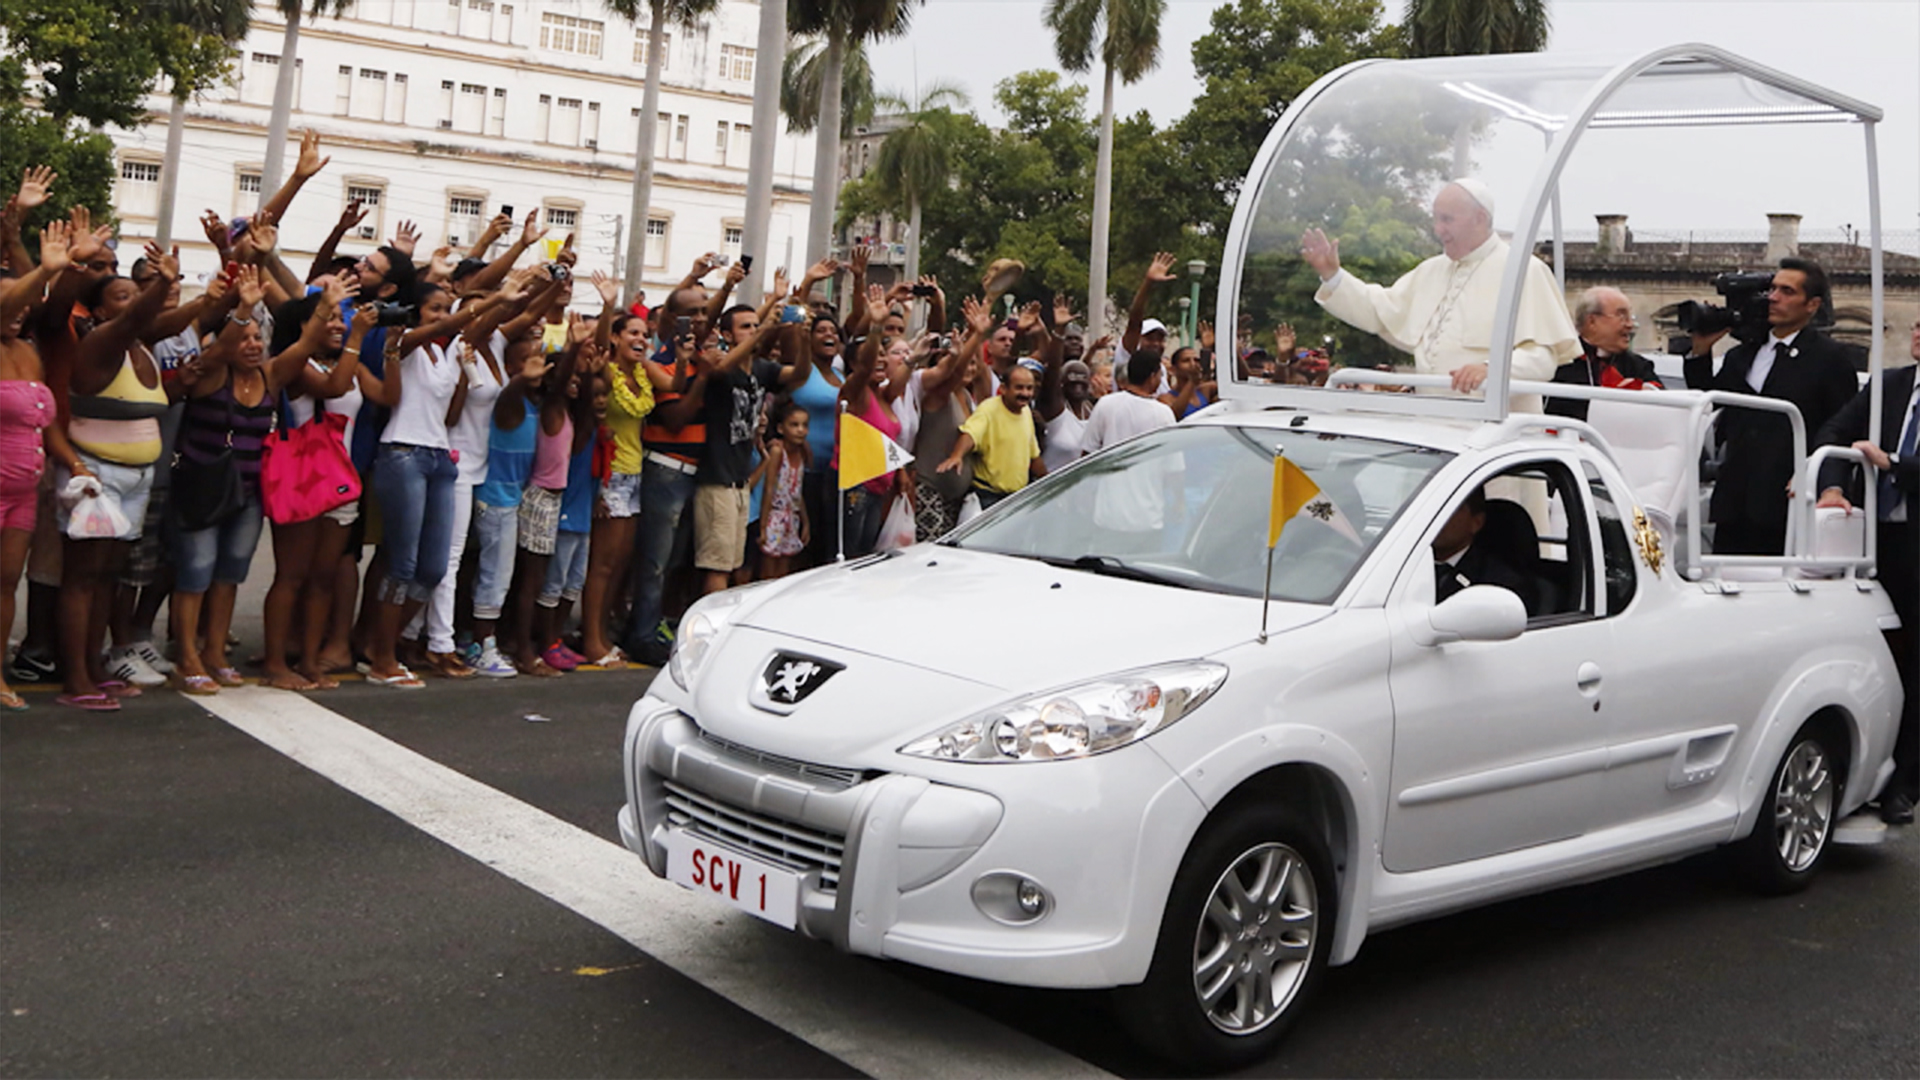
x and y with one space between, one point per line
619 231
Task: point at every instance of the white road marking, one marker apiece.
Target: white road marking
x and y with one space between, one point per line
867 1017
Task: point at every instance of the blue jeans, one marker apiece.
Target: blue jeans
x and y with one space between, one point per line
498 528
864 516
415 487
666 528
219 553
567 573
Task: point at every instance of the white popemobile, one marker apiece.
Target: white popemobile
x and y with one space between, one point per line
1091 740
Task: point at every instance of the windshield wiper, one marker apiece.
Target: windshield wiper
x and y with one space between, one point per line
1108 566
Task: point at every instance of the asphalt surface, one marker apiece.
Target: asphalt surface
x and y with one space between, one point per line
179 899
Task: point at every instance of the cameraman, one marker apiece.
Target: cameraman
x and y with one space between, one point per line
1795 363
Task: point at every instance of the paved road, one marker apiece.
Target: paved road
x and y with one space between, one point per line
184 895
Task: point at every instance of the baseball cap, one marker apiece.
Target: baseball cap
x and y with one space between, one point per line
1152 326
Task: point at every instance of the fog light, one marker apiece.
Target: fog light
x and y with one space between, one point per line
1011 898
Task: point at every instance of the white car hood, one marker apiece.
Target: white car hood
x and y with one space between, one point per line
1018 625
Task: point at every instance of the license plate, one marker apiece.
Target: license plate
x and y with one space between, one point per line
755 887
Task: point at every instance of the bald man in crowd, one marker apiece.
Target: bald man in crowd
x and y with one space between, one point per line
1442 311
1605 319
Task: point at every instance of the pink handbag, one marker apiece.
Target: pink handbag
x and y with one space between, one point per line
305 471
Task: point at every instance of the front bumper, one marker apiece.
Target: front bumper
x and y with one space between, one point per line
889 860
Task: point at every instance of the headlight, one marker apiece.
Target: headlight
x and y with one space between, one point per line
1078 721
700 627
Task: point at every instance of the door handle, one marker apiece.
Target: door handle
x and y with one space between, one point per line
1587 678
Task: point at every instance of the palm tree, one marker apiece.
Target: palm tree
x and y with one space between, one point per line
1125 34
290 10
800 78
763 146
842 25
682 13
916 158
1474 28
205 32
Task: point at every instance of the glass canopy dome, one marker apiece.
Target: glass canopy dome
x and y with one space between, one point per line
1363 154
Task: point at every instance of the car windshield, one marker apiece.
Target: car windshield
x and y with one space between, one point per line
1188 506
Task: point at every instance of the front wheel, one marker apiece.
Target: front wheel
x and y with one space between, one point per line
1242 943
1790 839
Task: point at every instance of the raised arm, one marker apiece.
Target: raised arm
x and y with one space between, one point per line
717 303
496 271
305 168
702 266
35 187
1052 400
353 215
324 386
102 350
1159 270
859 307
450 325
23 292
510 408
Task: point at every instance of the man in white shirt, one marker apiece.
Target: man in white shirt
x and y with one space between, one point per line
1132 501
1442 311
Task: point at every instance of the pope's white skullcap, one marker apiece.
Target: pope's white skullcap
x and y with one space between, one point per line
1478 191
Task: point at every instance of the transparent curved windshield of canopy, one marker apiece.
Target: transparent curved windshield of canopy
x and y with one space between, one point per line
1365 152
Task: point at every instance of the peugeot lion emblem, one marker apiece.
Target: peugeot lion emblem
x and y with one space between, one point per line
788 679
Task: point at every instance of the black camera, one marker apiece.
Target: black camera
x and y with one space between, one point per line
559 272
388 313
1745 313
923 290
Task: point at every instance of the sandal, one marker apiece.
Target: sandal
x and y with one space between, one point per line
11 702
227 676
448 665
538 669
98 702
403 680
199 685
116 688
613 661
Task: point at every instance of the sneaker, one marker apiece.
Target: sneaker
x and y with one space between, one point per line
28 668
560 658
151 656
128 666
492 665
470 653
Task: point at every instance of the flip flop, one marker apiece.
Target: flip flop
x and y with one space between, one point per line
613 661
538 669
227 676
199 685
89 702
405 680
11 702
119 689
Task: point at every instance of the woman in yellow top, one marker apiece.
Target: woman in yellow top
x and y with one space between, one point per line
116 401
617 510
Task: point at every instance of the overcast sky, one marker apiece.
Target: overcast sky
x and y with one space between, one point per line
1869 49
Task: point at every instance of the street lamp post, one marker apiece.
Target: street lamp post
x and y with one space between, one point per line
1186 320
1196 269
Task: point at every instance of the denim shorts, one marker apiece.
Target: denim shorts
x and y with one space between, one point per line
621 493
567 573
126 486
218 553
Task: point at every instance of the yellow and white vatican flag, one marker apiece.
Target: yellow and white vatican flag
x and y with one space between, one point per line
1296 495
866 452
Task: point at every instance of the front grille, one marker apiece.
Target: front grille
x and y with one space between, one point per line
795 846
824 775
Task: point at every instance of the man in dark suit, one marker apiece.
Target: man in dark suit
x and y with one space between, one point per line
1459 562
1896 457
1795 363
1604 318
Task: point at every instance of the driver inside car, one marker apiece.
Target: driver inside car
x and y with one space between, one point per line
1462 558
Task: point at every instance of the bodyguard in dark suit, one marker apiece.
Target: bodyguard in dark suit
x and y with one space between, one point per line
1896 457
1604 318
1795 363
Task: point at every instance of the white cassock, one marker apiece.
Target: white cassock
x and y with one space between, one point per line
1442 312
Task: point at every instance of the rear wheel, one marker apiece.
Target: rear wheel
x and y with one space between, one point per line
1245 935
1790 839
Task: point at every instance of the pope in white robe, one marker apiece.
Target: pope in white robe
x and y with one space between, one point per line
1442 310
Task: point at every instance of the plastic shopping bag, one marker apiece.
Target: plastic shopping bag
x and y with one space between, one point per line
896 531
969 508
95 516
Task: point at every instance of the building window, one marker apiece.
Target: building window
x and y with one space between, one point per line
640 49
670 137
397 100
565 126
736 63
466 219
497 115
731 237
369 95
720 142
343 91
246 191
372 197
446 105
590 127
262 74
137 195
562 219
742 146
564 33
470 108
656 242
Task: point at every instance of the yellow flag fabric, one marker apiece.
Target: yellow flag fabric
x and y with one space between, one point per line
866 452
1292 490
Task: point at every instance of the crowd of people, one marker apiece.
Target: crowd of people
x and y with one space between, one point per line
455 465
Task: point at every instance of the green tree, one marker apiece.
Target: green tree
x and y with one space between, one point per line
803 71
841 24
685 14
1125 36
916 158
1475 27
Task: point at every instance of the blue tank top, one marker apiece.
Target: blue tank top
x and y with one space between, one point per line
821 399
576 505
1199 402
509 460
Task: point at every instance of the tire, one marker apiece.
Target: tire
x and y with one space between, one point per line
1256 893
1790 838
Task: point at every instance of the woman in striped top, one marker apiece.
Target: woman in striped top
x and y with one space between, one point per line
230 411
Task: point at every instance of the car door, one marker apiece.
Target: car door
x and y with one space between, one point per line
1497 744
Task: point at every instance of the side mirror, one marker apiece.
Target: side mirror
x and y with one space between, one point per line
1475 613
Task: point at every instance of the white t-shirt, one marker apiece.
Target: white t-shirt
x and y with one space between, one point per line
1132 501
469 436
1120 416
1066 438
300 406
428 378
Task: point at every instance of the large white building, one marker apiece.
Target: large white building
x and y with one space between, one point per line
444 112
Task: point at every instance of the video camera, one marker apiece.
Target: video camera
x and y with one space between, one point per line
1745 313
